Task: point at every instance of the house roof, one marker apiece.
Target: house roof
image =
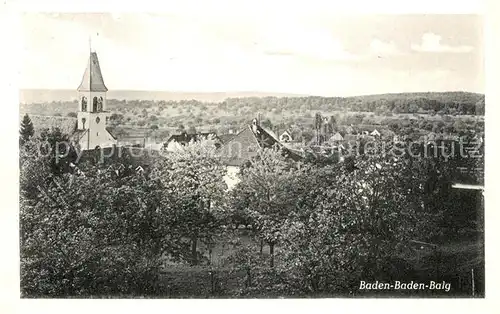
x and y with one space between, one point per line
240 148
186 138
78 134
108 129
66 125
244 145
336 136
92 80
224 138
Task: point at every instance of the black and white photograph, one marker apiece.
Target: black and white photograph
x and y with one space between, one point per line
236 155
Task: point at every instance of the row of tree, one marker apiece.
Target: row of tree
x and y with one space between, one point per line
92 228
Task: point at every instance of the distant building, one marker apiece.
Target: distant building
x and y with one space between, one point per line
286 137
337 137
177 141
245 145
375 133
350 130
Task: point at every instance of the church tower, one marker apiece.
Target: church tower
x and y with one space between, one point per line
92 113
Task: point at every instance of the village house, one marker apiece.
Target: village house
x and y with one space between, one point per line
337 137
350 130
245 145
286 137
177 141
375 133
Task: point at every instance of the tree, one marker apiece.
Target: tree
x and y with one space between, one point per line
413 108
47 156
350 225
265 196
307 136
191 130
164 134
479 107
330 126
459 125
267 124
318 122
87 229
116 119
72 114
98 233
26 130
193 185
180 128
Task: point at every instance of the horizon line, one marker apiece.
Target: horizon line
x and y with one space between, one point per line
261 92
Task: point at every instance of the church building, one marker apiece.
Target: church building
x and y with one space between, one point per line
92 114
87 131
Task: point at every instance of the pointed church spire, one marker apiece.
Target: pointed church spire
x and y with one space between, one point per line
92 80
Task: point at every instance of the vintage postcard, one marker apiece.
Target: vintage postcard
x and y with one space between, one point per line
212 155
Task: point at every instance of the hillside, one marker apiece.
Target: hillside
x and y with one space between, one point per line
454 96
28 96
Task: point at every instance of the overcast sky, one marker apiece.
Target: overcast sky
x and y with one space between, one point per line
318 54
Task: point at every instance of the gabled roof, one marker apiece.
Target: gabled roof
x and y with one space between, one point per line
92 80
186 138
224 138
78 134
336 137
245 144
109 130
265 137
286 133
240 148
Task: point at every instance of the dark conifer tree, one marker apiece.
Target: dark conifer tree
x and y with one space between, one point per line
26 129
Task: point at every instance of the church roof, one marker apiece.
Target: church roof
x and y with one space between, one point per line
92 80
